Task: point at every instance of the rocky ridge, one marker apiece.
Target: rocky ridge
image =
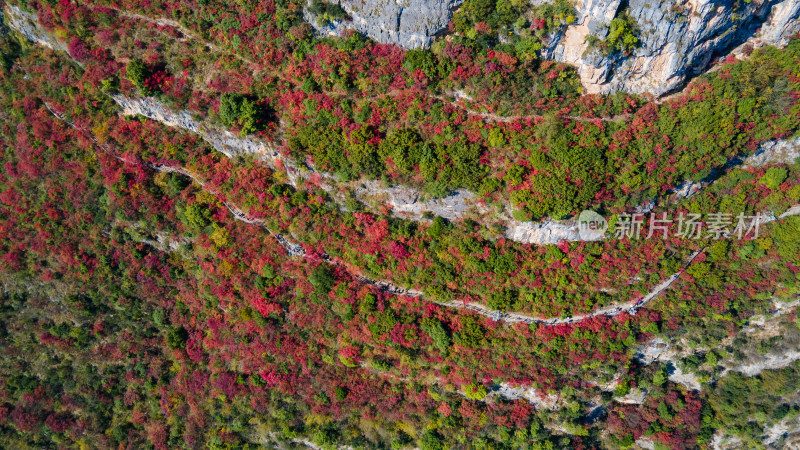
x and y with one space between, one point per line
405 201
407 23
27 24
678 40
784 151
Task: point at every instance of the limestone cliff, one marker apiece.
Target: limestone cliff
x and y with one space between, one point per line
408 23
678 39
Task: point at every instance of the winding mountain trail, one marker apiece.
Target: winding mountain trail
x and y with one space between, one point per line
297 250
187 34
630 307
492 117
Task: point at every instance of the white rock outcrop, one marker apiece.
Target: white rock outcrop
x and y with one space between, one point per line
27 24
224 141
408 23
678 38
770 153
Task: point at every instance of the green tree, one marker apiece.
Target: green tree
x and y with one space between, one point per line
475 391
196 217
437 332
786 234
326 437
471 333
774 177
362 154
502 300
660 377
622 33
137 73
421 59
177 337
322 278
229 108
437 227
431 441
236 110
404 147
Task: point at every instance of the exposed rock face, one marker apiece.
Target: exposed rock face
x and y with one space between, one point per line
542 233
783 23
27 24
407 202
784 151
224 141
540 400
678 38
408 23
596 14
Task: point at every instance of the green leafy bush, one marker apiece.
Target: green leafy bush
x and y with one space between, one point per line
437 332
137 73
236 110
326 12
322 278
622 36
177 337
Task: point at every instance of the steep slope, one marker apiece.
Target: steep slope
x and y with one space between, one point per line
678 39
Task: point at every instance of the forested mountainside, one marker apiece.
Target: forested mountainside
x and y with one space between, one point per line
223 227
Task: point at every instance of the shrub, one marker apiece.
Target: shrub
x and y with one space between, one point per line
420 59
471 333
326 12
787 237
621 35
236 110
437 332
322 278
437 227
177 337
502 300
475 391
774 177
431 441
195 217
137 73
